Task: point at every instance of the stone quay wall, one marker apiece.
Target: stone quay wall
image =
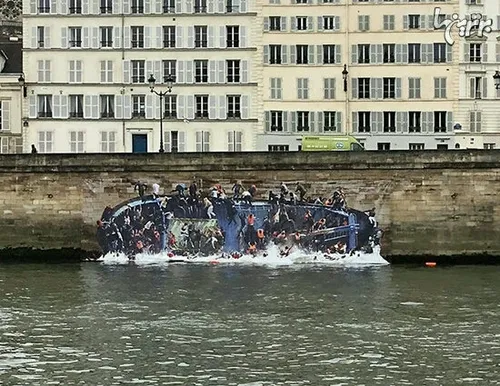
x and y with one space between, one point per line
428 203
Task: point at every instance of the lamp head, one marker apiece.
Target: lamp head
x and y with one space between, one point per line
345 72
151 82
21 80
169 81
496 78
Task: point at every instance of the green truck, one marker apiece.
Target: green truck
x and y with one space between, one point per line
331 143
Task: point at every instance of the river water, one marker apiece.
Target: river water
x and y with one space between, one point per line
96 324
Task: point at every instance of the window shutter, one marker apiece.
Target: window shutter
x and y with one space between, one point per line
424 121
243 6
190 107
149 68
32 108
373 88
267 120
285 121
333 84
319 54
127 107
320 23
178 6
405 22
354 122
5 107
157 70
484 47
190 37
245 107
221 71
182 141
94 106
338 53
64 37
321 121
337 23
266 23
206 140
354 87
472 88
243 37
222 37
64 106
94 38
423 53
312 121
399 121
53 6
399 53
157 112
423 24
147 7
380 121
380 53
34 37
293 52
158 43
404 58
212 107
338 122
244 71
230 141
380 88
212 71
166 140
181 107
126 6
373 53
117 38
119 106
147 37
189 71
497 52
221 6
417 88
430 53
56 101
222 107
87 111
294 23
85 7
199 141
310 54
310 23
211 36
266 54
485 87
126 71
284 54
293 121
33 4
449 121
179 37
116 7
398 88
126 37
149 106
354 54
180 77
404 121
283 23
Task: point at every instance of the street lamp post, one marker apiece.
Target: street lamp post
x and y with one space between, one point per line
496 78
22 83
344 76
168 81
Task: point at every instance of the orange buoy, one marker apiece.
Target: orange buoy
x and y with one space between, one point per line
430 264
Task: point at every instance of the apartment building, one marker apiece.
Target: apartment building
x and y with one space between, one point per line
11 95
87 66
478 113
375 69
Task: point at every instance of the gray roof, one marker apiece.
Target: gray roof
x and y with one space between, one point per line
13 53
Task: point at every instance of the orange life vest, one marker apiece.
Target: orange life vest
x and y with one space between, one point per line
260 233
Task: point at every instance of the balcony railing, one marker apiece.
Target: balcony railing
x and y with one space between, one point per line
170 114
137 9
138 114
106 9
169 43
75 10
107 114
200 9
45 114
168 9
76 114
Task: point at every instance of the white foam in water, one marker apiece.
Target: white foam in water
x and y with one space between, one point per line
273 258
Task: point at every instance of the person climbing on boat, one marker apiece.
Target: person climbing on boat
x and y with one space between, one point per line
319 225
260 238
285 252
237 189
252 249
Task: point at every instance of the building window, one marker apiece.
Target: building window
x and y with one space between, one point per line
440 121
75 37
278 148
138 106
439 52
137 37
202 141
169 69
138 74
168 6
106 71
414 53
174 141
107 106
329 88
108 141
232 6
302 121
389 121
302 52
302 88
439 87
364 88
233 71
416 146
234 140
275 23
329 121
40 32
201 71
76 106
301 23
137 6
44 70
363 53
477 89
106 36
169 36
44 106
389 53
76 141
413 21
488 146
276 120
475 52
389 88
75 71
200 6
170 107
234 106
201 106
329 54
275 54
388 22
364 121
383 146
364 22
475 121
45 141
75 6
106 6
414 122
276 88
413 88
43 6
200 36
233 36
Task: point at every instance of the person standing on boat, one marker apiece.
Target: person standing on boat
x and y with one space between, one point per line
156 190
301 191
193 189
237 189
141 188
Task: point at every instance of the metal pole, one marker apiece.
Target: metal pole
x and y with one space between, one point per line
162 150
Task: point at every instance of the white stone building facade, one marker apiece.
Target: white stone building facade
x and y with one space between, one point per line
87 65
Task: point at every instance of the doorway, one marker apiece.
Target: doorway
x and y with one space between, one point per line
139 143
